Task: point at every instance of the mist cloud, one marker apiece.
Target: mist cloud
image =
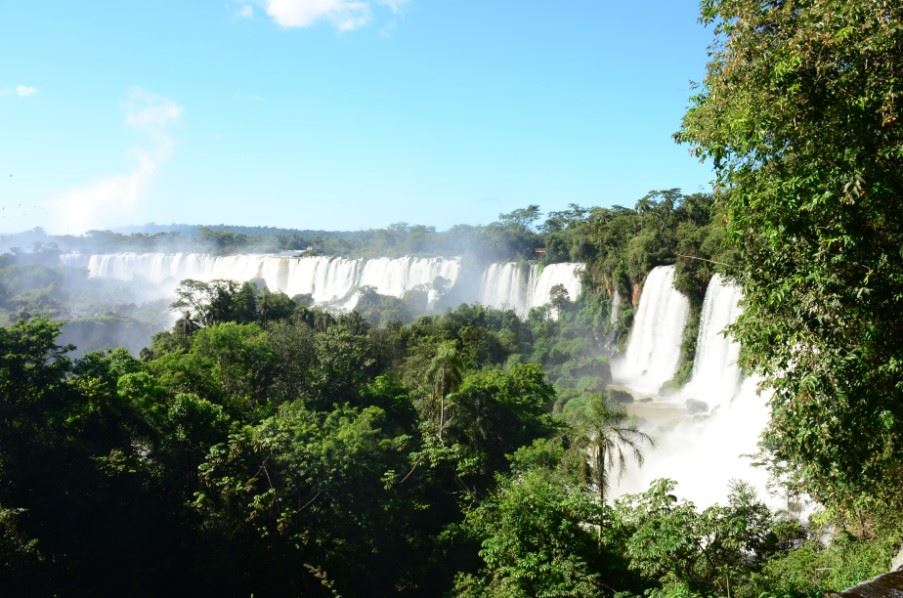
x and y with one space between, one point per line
113 199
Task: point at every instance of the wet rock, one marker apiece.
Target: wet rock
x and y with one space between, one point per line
889 585
694 406
619 396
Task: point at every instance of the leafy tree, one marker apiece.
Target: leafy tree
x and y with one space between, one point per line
608 437
536 540
304 501
345 359
801 116
813 569
713 552
222 301
559 299
444 375
522 217
494 412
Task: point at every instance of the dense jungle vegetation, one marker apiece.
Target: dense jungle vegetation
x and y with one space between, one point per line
280 450
265 447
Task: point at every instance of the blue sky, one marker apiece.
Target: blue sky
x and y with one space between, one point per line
339 114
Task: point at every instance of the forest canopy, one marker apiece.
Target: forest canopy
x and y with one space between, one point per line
262 446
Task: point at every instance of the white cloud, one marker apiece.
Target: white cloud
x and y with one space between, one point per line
148 112
246 11
24 91
112 200
394 5
344 15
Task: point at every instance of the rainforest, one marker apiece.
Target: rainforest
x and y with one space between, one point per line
698 394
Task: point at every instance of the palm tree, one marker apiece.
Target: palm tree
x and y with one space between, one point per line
444 374
608 436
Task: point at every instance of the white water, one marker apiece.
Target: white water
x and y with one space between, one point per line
716 378
326 279
653 348
704 451
334 281
615 312
521 287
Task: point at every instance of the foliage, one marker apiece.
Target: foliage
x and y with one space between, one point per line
800 113
306 453
536 540
606 437
712 552
814 570
308 488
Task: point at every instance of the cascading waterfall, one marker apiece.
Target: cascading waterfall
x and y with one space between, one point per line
702 451
326 279
615 312
335 281
716 377
521 287
653 348
705 451
565 274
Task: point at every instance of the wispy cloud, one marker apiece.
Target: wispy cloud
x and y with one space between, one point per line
245 11
24 91
344 15
394 5
113 199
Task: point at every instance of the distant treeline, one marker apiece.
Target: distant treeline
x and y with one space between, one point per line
523 234
618 245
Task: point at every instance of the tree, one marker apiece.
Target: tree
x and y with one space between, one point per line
608 437
495 412
559 299
713 553
535 540
801 114
521 217
207 303
304 499
443 375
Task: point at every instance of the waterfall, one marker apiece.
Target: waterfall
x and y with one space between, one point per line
615 308
565 274
326 279
716 375
504 286
335 281
653 348
521 287
703 452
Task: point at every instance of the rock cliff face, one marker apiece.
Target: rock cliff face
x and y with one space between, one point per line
889 585
636 290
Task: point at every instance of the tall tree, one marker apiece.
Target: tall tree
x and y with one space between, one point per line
608 438
444 376
801 114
